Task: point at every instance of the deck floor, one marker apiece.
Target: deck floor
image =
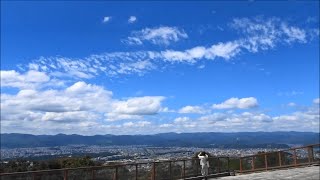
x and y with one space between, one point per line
305 173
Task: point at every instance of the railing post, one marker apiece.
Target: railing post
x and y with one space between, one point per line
295 157
116 178
280 160
92 173
240 165
198 168
228 160
184 169
310 154
252 163
219 168
170 172
154 171
136 172
266 161
65 174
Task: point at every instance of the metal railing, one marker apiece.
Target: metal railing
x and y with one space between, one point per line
188 168
294 157
168 169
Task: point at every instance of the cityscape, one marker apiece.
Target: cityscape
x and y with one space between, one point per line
130 153
136 153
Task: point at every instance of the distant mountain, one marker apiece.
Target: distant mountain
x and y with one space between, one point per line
209 139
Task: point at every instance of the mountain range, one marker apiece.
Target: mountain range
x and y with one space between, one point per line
207 139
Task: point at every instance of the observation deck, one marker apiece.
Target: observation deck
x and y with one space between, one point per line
271 165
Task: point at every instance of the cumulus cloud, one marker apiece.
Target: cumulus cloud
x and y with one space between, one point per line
179 120
90 109
80 102
111 116
306 120
146 105
214 117
137 124
192 109
30 79
316 101
236 103
162 35
80 98
166 125
132 19
236 119
184 122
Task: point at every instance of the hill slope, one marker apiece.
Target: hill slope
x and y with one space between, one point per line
212 139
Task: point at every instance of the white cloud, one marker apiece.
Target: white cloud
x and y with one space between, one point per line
117 116
166 110
214 117
294 34
290 93
163 35
146 105
30 79
266 33
180 120
223 50
132 19
84 108
292 104
192 109
166 125
78 98
256 35
307 120
79 105
184 122
67 117
106 19
189 55
137 124
137 67
316 101
242 103
110 64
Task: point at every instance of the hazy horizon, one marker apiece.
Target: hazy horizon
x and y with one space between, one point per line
166 133
92 68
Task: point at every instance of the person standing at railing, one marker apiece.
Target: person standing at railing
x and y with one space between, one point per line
204 163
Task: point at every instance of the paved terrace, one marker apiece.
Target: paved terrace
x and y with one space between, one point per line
304 173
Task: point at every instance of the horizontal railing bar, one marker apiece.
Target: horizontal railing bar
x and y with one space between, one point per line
161 161
106 166
291 149
279 167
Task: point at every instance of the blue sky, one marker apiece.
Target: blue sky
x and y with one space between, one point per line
152 67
